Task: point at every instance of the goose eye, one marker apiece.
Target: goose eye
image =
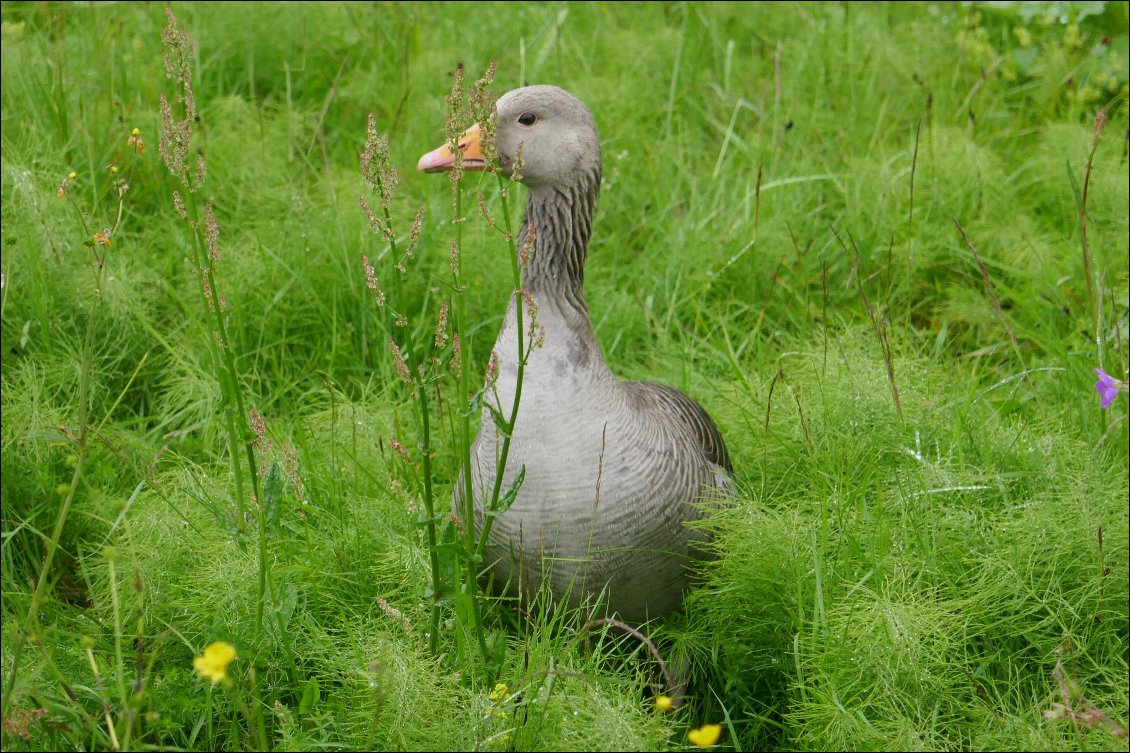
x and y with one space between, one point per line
527 118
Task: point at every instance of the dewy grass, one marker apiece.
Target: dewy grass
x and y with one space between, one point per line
952 580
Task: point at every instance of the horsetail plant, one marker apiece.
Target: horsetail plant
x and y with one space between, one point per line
99 243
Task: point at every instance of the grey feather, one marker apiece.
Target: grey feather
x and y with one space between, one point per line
614 470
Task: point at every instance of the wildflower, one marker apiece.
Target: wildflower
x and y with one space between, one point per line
497 696
1108 387
215 660
61 191
414 233
371 281
103 238
136 141
401 450
501 690
394 614
1100 124
528 245
398 360
211 233
376 164
178 205
664 703
705 736
492 368
176 135
376 224
20 722
535 334
441 328
483 211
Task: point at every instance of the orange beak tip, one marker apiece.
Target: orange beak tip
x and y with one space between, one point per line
443 158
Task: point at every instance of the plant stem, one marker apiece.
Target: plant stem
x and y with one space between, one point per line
32 619
421 388
523 353
465 478
239 434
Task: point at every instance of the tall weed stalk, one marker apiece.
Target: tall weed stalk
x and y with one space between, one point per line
456 556
175 146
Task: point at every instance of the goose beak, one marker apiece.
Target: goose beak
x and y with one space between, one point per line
443 158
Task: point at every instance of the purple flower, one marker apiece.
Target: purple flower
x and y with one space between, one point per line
1107 387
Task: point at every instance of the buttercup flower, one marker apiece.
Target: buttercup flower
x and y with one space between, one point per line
664 703
705 736
215 660
1108 387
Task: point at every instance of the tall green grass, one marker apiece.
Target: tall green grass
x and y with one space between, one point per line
776 235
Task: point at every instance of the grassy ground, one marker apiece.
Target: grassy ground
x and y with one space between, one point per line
929 550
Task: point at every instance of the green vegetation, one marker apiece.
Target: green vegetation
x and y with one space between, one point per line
885 245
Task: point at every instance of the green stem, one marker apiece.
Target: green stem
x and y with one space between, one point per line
207 283
239 434
429 511
32 619
115 603
421 386
472 563
523 353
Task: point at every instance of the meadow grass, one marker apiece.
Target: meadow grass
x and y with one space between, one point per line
885 245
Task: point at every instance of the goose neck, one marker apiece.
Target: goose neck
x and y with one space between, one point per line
555 237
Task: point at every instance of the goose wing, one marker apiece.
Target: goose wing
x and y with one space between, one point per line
683 412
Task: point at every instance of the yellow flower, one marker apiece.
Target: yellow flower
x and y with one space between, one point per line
113 169
664 703
214 663
136 141
103 238
705 736
500 692
61 191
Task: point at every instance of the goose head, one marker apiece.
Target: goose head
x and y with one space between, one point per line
549 129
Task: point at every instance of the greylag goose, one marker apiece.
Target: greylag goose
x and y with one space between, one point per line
613 469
